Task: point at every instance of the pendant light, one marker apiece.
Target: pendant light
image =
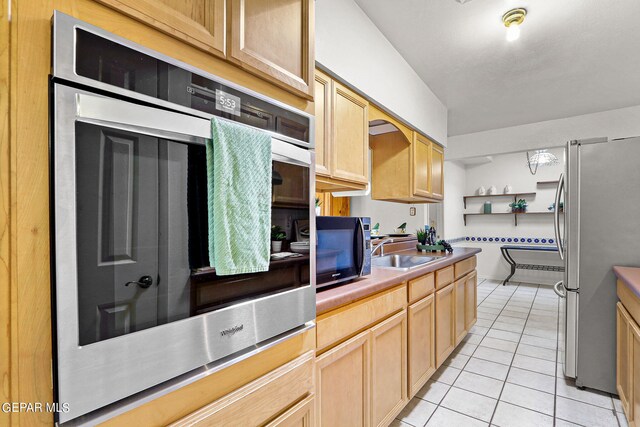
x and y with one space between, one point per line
512 20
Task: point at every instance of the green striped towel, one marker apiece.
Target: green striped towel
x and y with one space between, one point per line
239 198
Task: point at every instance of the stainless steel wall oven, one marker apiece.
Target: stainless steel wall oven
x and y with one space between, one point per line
138 310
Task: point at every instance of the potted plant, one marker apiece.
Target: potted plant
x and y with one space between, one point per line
519 207
277 236
318 203
421 234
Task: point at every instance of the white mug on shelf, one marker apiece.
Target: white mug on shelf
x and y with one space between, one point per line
508 189
493 190
481 191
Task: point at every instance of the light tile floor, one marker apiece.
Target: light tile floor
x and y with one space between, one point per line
507 371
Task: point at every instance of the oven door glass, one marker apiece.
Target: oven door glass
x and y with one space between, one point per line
142 224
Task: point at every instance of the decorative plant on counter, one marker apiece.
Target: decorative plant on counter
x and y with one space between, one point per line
277 236
421 234
318 203
375 230
519 207
402 228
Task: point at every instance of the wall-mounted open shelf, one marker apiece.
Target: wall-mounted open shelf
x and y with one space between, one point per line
514 196
515 215
548 182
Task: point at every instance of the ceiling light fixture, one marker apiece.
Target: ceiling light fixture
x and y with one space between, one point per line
512 20
540 158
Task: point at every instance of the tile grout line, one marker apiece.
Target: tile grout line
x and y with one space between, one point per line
509 370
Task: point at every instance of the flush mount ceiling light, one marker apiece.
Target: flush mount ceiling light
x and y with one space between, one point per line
512 20
540 158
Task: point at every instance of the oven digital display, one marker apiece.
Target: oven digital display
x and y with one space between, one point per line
227 102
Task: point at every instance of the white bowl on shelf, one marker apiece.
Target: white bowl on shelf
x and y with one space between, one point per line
300 247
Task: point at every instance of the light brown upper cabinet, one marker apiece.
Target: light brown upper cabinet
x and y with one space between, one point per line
272 39
323 104
437 172
275 40
342 140
200 23
406 166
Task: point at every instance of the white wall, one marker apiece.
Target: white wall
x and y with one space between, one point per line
352 47
619 123
389 214
454 187
505 169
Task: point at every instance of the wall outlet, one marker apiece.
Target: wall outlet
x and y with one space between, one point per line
412 211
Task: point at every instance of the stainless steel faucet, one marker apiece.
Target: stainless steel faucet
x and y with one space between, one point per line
381 246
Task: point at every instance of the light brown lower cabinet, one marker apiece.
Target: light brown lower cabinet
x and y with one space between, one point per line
342 383
459 292
388 369
275 396
422 343
362 382
301 415
445 323
470 300
634 402
623 359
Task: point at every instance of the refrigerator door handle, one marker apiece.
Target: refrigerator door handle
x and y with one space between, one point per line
556 216
556 289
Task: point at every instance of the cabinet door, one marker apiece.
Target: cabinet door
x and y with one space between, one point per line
301 415
343 384
323 102
421 165
634 373
437 172
623 357
460 308
350 136
200 23
471 300
388 369
445 323
422 345
275 39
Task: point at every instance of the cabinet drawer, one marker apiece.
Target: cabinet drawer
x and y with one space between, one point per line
261 400
343 322
421 287
444 277
465 266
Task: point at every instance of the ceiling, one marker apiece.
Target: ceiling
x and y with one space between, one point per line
573 57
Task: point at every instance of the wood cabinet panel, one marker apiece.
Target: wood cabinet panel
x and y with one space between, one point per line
634 377
340 323
445 323
422 346
350 136
470 300
200 23
444 276
421 287
437 172
460 308
301 415
465 266
623 358
421 166
275 39
343 384
323 104
261 400
388 369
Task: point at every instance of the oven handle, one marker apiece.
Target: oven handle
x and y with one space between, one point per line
127 116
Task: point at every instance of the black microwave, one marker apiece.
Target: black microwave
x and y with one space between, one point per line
343 249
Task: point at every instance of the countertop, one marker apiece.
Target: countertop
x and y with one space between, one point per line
381 279
630 276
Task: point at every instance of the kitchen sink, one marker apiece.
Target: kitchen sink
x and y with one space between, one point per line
401 262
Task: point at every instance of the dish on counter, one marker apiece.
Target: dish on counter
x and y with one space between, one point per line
399 234
380 236
300 247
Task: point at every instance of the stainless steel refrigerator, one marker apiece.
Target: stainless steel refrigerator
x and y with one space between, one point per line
601 192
